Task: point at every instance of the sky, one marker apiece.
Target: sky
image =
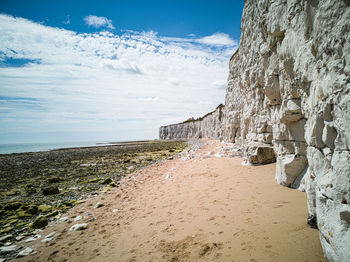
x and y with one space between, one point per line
111 70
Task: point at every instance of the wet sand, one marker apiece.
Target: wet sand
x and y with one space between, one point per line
202 209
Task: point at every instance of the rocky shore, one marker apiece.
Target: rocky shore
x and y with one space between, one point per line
40 187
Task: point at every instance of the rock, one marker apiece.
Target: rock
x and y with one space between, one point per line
107 181
13 206
77 227
6 237
64 219
115 210
50 235
344 214
98 205
289 167
32 209
25 252
8 249
19 238
40 222
78 218
33 238
260 154
312 221
48 238
6 230
53 180
37 231
52 214
50 191
44 208
329 135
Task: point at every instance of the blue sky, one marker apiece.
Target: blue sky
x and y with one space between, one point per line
110 70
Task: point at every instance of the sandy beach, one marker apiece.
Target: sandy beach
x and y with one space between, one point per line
207 208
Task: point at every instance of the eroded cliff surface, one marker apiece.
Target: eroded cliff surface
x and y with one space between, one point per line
292 73
288 101
208 126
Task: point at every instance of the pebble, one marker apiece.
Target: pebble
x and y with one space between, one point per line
19 238
64 218
25 252
115 210
6 237
37 231
78 227
51 235
8 244
78 218
167 176
47 239
4 250
37 236
98 205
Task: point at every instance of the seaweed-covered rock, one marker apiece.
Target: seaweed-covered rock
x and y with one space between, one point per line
45 208
13 206
106 181
40 222
32 209
53 180
50 191
52 214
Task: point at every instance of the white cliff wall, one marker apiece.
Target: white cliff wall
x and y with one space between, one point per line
209 126
288 98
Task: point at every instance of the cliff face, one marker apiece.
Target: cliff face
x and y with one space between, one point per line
292 75
209 126
288 100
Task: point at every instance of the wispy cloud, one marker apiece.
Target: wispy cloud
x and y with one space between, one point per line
87 86
219 39
98 21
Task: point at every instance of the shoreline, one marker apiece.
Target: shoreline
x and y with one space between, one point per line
204 206
65 145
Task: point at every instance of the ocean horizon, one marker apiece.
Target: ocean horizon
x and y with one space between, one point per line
38 147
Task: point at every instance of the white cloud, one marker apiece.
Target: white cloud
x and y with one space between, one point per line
219 84
103 86
98 21
219 39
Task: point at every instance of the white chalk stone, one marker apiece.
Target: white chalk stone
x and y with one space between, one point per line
77 227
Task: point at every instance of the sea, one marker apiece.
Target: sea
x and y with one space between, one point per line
37 147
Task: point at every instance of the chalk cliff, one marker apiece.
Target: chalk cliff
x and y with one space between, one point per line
208 126
288 101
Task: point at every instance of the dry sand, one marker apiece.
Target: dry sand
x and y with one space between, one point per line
208 209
